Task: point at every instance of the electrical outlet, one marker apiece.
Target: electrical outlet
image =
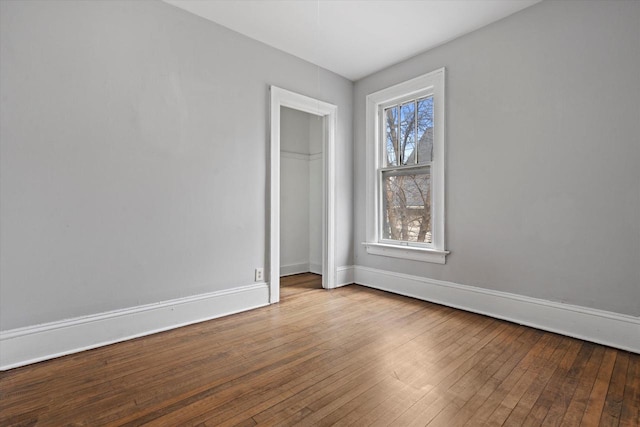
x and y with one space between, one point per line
259 274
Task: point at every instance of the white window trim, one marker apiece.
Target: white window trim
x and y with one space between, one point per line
433 82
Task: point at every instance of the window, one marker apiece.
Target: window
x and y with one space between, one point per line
405 180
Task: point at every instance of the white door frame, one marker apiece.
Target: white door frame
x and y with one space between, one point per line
284 98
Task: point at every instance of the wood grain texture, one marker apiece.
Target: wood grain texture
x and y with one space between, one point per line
347 357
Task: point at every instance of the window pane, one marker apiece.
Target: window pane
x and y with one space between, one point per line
407 133
407 205
425 130
391 143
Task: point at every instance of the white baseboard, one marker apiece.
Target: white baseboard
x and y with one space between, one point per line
599 326
32 344
291 269
344 275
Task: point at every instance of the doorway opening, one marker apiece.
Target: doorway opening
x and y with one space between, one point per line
301 155
324 116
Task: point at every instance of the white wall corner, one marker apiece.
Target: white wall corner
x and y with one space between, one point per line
599 326
315 268
345 275
19 347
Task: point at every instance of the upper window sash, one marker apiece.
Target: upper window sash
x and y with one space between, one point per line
418 134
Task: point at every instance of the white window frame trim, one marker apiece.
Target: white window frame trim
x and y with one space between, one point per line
432 83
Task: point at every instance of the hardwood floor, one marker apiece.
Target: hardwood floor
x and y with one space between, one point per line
350 356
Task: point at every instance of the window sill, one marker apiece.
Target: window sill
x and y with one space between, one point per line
407 252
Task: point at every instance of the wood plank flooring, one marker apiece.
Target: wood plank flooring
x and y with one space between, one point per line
349 356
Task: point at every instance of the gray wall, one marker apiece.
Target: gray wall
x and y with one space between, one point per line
543 155
134 155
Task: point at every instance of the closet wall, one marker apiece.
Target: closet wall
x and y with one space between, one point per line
300 192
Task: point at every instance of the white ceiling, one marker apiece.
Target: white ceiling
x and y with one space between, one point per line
353 38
